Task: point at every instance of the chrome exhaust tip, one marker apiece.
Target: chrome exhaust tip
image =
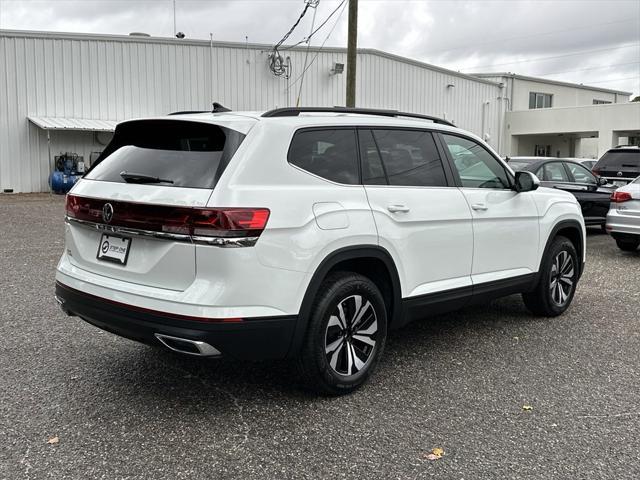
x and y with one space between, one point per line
60 302
186 346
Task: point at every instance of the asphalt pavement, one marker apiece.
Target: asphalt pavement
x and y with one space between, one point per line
79 403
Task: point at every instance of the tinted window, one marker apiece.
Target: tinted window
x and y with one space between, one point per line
330 154
554 172
410 158
581 174
372 170
187 154
620 159
476 166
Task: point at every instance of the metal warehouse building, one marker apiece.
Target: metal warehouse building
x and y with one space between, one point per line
63 92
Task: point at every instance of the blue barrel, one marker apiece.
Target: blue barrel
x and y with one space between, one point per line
61 182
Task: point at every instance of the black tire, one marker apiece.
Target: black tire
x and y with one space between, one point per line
557 281
336 371
628 245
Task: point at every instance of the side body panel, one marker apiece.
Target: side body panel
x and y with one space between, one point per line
432 242
505 232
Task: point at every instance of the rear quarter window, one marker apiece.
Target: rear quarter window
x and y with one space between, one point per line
328 153
178 153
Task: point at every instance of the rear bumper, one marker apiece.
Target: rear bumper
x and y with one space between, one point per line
247 338
622 224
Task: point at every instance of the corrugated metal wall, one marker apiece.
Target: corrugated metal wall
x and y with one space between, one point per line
116 78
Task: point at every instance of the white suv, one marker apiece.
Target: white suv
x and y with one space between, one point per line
306 233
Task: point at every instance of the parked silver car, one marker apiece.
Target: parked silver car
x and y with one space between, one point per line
623 219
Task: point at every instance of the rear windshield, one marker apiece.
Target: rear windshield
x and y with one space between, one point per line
620 159
166 152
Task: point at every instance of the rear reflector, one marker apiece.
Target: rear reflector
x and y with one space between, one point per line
619 197
209 222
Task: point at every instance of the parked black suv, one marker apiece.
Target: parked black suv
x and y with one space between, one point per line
619 165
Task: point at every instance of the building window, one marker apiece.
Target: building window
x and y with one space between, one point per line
600 102
542 151
540 100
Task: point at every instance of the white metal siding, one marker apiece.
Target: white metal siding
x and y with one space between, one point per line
116 78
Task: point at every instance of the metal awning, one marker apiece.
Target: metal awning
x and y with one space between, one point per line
82 124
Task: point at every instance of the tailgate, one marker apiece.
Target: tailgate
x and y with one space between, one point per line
158 262
127 218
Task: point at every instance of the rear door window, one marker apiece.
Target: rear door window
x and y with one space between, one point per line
405 157
328 153
555 172
168 153
372 169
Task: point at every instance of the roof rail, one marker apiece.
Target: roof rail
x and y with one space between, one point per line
295 111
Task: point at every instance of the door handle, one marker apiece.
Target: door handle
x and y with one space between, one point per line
479 206
398 208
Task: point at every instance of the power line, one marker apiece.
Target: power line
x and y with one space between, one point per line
555 56
313 32
306 57
586 69
534 35
321 46
276 64
637 77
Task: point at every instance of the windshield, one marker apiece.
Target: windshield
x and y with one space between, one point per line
518 165
174 153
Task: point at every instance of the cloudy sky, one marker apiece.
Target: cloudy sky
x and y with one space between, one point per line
593 42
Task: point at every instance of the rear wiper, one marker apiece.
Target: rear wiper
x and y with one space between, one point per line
131 177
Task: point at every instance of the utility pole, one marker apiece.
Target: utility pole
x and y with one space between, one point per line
352 47
174 17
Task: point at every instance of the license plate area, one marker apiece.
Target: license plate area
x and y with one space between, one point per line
113 248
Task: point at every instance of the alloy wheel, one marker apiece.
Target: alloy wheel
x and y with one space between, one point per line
350 337
562 278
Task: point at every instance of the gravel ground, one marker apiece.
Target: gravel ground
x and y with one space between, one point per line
458 382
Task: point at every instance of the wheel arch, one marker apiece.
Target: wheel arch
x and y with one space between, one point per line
364 259
573 230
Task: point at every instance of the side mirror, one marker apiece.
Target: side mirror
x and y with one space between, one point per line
526 182
602 181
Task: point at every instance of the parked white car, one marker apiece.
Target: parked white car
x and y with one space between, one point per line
306 234
623 219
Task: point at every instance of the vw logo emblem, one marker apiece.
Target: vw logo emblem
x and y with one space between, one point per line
619 174
107 212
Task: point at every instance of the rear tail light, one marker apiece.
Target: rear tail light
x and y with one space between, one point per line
619 197
199 222
228 222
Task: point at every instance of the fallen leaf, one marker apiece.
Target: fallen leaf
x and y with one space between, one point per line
435 454
53 440
438 451
527 407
